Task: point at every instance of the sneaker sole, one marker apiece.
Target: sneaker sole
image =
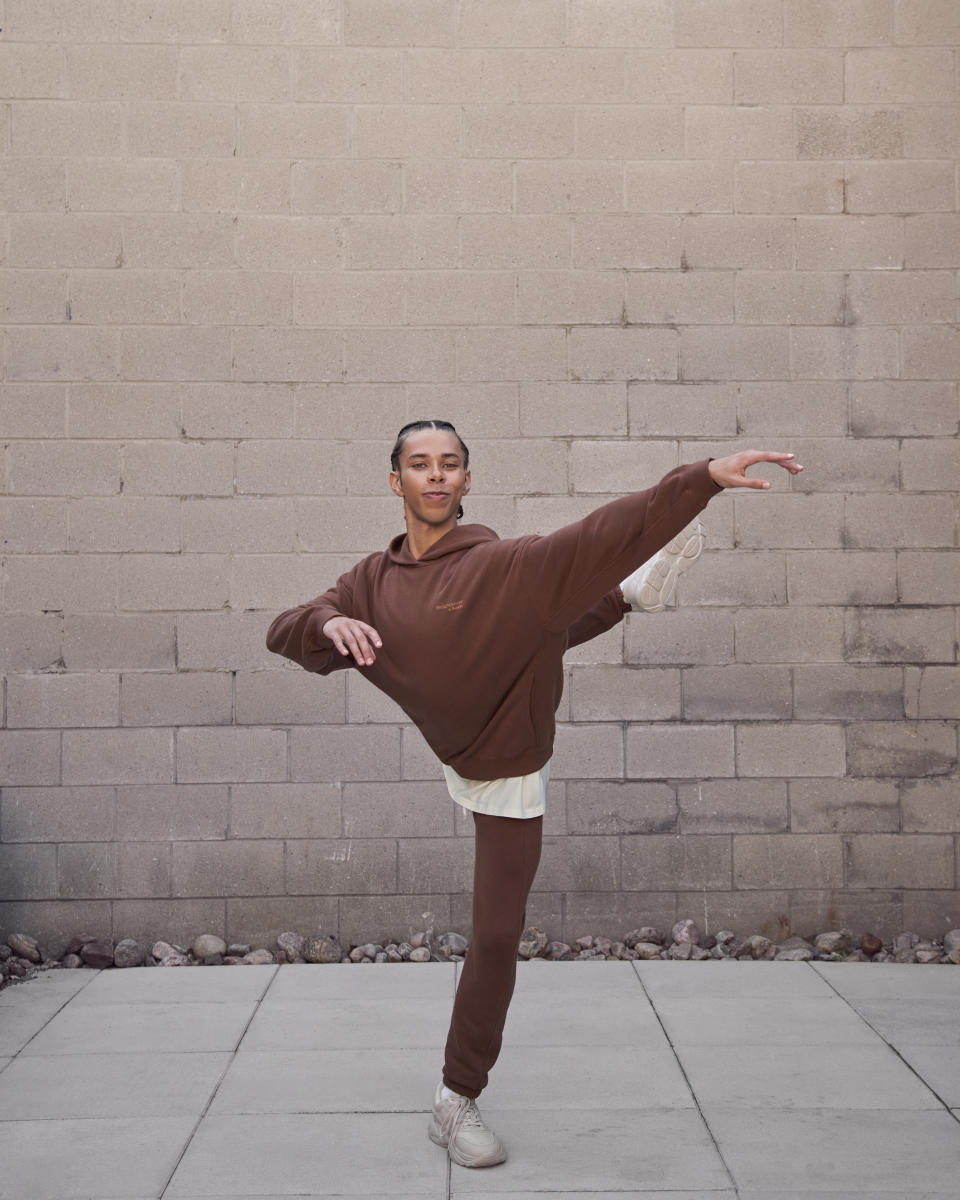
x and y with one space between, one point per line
655 596
437 1138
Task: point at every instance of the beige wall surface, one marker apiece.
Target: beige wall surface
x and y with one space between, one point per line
244 240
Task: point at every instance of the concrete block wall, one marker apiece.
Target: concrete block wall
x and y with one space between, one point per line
244 240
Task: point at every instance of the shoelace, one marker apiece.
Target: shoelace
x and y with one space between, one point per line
465 1113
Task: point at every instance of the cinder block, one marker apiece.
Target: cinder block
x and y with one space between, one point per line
396 918
339 866
33 184
193 240
617 467
291 696
45 814
361 76
838 22
879 910
486 410
734 352
174 129
614 912
457 186
78 582
42 701
794 749
240 526
574 864
287 810
900 635
787 409
122 298
904 748
33 297
573 409
855 132
222 641
221 298
843 806
172 812
127 410
597 807
738 691
143 869
176 698
680 297
33 71
930 692
898 860
792 520
672 76
381 355
174 353
63 468
849 243
789 635
290 131
848 692
931 353
846 465
929 806
289 466
117 756
927 910
733 806
398 23
903 520
789 187
623 353
179 919
235 185
625 131
505 353
173 21
739 133
898 76
788 860
925 22
525 242
297 21
608 648
455 298
397 810
33 525
435 864
665 863
609 693
788 77
87 871
350 752
738 241
682 409
680 636
588 752
52 353
118 524
897 297
238 73
64 130
623 241
899 187
903 408
728 23
503 23
293 355
367 704
566 298
930 130
568 186
414 131
228 755
173 581
679 752
278 243
346 187
30 872
255 410
466 76
122 72
735 578
339 525
33 410
235 868
102 641
789 298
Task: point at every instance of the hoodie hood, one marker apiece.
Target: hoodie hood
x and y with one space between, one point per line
461 537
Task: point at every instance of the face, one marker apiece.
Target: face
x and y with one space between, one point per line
431 479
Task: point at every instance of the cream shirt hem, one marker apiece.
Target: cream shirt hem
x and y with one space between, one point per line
522 796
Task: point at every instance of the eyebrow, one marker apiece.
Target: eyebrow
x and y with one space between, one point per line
423 454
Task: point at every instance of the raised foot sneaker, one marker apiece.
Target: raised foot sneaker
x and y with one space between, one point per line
456 1125
651 586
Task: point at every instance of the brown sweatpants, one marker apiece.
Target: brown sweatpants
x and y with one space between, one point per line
506 858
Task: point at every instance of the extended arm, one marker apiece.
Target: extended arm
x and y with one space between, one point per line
603 616
320 635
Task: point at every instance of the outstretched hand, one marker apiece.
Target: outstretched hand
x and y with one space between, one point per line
353 637
731 471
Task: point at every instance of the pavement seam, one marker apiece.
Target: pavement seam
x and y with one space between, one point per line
56 1013
210 1099
686 1080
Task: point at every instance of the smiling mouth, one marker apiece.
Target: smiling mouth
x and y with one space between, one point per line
436 495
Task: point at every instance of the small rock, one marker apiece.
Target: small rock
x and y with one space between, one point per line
24 946
685 931
556 950
98 953
905 941
951 941
679 950
618 949
646 949
393 954
928 954
837 941
71 961
232 960
381 957
261 957
292 945
322 950
698 953
128 953
585 942
795 954
17 966
371 950
757 946
451 944
162 950
417 940
213 960
5 952
953 956
797 943
533 942
207 943
906 954
856 956
405 948
603 944
870 944
175 960
420 954
357 954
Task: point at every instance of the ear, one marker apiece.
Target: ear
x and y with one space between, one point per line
395 484
466 483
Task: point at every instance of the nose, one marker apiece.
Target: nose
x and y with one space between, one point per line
436 472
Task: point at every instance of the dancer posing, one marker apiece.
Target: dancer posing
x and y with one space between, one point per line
466 632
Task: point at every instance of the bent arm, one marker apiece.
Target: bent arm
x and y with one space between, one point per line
297 634
599 619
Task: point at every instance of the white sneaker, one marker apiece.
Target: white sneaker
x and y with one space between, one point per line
651 586
456 1125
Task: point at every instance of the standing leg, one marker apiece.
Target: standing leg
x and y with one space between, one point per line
506 858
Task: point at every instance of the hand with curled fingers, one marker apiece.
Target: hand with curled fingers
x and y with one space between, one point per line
353 637
731 471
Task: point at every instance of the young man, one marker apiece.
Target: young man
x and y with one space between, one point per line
466 632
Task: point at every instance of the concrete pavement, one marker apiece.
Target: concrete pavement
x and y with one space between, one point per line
654 1080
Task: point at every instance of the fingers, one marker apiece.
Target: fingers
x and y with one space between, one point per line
355 637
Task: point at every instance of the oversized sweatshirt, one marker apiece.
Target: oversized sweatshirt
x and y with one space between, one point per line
474 630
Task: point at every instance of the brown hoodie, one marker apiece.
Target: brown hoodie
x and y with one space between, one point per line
474 631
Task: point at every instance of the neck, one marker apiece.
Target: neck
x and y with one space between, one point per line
421 536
